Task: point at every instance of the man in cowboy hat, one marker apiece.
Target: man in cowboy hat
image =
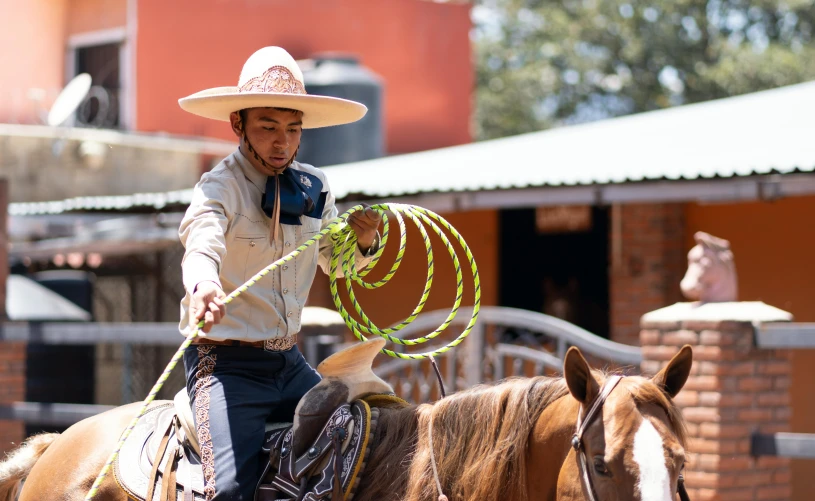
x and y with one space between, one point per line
256 206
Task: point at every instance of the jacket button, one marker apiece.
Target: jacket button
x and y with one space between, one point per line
289 314
285 267
285 291
288 244
252 243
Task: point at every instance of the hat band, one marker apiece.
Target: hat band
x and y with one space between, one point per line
277 79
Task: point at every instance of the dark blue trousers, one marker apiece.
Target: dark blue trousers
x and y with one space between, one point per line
234 391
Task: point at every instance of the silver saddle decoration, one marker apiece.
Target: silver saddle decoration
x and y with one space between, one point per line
320 473
139 461
158 449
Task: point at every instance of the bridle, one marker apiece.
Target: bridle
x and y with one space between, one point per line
580 451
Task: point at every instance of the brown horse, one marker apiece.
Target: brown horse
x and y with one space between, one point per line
507 441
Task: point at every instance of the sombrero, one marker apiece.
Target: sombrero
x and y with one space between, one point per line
271 78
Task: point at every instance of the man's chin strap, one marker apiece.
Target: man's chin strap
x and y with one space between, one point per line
277 171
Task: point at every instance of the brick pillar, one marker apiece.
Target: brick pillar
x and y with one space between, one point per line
12 355
12 389
734 390
647 263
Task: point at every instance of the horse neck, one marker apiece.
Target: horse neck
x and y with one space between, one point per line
396 437
549 446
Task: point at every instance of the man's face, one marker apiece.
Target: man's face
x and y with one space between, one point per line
274 134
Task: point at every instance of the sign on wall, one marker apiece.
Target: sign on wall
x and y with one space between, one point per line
563 219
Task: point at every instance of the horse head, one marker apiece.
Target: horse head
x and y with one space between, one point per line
632 446
711 275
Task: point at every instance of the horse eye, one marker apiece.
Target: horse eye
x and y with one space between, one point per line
601 467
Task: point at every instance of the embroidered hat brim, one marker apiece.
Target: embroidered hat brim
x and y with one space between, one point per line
271 78
318 111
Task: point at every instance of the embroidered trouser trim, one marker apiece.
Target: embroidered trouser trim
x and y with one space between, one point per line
206 366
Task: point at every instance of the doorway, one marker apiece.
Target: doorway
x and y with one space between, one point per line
556 261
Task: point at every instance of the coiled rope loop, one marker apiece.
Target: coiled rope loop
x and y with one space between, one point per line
344 252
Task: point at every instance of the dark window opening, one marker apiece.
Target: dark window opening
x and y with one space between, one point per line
101 108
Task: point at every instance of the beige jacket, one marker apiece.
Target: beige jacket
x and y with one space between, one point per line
226 237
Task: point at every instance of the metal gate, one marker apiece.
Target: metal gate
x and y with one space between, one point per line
505 342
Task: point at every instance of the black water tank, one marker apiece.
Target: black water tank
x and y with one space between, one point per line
341 75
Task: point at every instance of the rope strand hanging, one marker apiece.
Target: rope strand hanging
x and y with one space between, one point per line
343 256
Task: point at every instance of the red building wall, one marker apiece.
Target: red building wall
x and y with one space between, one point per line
35 64
421 49
83 16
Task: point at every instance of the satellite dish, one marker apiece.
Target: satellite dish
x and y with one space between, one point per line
69 99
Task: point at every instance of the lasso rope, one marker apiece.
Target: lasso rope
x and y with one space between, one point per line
344 248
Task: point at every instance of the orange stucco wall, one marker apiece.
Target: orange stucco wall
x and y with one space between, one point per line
39 25
94 15
187 45
773 247
42 65
394 301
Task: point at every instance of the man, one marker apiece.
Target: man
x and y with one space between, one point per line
256 206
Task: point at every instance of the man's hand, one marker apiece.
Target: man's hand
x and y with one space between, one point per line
207 303
365 224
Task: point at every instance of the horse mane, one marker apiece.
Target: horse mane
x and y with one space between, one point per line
394 444
480 433
648 393
480 440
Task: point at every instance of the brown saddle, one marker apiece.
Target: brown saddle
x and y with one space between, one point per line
318 457
157 464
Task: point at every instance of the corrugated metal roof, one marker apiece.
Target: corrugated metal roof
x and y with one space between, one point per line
150 200
760 133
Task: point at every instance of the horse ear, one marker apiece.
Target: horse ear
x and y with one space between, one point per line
673 377
582 385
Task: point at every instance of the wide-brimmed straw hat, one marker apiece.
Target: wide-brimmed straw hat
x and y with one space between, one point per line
271 78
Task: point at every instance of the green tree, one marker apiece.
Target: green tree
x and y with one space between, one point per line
544 63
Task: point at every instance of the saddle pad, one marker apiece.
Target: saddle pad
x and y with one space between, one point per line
133 466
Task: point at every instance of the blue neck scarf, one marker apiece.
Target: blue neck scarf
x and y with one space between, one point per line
301 194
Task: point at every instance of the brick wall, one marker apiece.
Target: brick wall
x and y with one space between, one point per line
12 389
734 390
648 260
12 355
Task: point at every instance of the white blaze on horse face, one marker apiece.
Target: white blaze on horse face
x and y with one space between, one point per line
655 482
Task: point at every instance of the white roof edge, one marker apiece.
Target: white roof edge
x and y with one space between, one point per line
154 141
711 105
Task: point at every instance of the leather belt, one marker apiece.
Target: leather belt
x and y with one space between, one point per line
273 344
